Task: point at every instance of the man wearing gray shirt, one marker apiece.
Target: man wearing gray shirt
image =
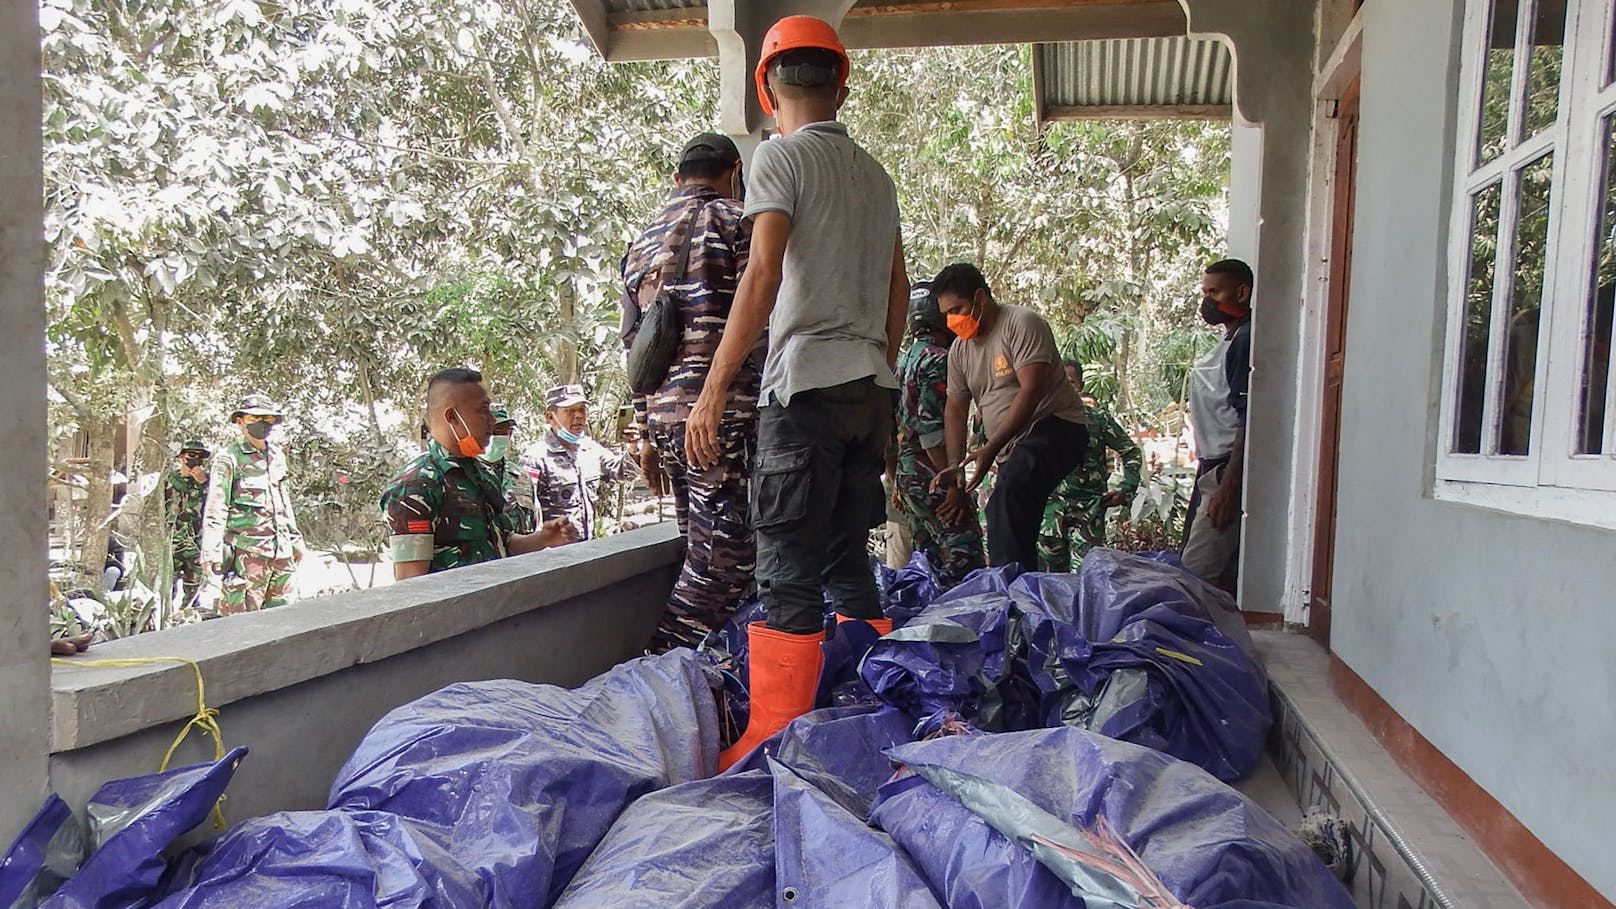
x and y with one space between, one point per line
1004 358
827 277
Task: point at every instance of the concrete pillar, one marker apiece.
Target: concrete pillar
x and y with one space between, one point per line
1273 43
738 26
1245 191
24 648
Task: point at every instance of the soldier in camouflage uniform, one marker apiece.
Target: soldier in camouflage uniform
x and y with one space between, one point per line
446 508
954 547
514 479
1074 519
248 530
712 504
185 496
568 467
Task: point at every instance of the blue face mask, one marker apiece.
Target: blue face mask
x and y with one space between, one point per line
570 437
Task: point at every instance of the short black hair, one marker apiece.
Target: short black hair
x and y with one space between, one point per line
808 67
454 375
446 378
1240 270
1074 364
962 279
704 169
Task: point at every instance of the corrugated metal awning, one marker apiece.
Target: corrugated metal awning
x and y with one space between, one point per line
1161 78
617 7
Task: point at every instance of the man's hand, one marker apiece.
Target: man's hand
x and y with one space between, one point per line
557 532
651 467
1113 499
701 430
1224 506
954 476
955 506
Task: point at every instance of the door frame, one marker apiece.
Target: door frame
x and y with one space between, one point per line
1340 71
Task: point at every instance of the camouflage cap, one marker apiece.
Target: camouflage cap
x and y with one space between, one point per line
194 445
565 396
257 404
502 415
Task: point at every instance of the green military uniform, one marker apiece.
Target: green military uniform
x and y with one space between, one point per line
515 481
248 527
446 510
185 499
954 548
1074 519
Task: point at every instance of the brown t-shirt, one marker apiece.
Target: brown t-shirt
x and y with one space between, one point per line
984 369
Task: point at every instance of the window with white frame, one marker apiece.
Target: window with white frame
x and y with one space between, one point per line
1529 398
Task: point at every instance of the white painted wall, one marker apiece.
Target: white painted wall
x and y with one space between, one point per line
24 645
1491 634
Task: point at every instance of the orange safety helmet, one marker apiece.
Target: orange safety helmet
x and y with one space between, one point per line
791 33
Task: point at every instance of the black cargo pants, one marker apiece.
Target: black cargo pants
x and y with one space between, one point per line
1022 485
816 492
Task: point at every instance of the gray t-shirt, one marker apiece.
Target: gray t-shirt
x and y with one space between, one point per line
829 324
984 368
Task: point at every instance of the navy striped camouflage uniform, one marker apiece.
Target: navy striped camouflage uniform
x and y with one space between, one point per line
568 477
954 547
445 509
711 505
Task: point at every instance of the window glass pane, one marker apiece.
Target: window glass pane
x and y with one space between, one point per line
1543 65
1496 79
1478 309
1596 353
1525 303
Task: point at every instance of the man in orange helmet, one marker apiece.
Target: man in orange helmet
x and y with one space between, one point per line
827 278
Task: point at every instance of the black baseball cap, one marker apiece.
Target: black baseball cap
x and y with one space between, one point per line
710 147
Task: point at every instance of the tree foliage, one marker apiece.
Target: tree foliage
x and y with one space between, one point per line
328 200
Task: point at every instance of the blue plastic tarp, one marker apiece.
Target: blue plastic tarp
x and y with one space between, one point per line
333 859
131 822
519 782
1053 791
702 845
1134 647
46 853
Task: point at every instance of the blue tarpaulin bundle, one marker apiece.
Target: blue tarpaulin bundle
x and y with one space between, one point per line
1134 647
506 794
483 794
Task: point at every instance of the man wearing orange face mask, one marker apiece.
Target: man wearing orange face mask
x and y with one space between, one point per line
443 509
1004 358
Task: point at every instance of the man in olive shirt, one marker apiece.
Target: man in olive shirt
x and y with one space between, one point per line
1004 358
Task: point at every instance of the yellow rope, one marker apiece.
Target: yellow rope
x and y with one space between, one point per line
206 718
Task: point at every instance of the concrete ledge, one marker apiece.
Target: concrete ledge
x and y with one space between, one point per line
249 655
1408 851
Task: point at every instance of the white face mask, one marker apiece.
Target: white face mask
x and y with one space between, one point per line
498 447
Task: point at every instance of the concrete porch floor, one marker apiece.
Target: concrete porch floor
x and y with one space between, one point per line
1408 852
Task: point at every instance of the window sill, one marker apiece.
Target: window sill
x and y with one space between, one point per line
1583 507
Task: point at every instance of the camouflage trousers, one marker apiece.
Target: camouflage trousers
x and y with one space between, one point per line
255 582
954 548
1072 526
720 552
188 572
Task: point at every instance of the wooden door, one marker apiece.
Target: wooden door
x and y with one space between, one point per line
1335 359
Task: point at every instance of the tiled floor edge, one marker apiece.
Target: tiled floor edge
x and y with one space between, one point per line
1385 871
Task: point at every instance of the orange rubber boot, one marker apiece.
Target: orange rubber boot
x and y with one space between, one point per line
784 676
883 627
